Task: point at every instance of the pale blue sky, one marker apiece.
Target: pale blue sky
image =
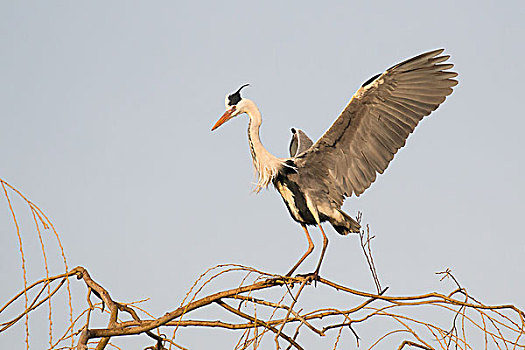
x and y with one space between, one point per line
106 110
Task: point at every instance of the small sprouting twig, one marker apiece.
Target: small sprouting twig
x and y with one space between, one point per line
365 241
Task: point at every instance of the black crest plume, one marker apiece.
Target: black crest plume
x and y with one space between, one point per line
234 98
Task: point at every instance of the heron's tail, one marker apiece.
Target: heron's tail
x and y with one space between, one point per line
344 223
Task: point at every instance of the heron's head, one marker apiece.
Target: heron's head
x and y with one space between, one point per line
235 105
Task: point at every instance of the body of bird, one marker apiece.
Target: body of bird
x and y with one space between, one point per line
317 177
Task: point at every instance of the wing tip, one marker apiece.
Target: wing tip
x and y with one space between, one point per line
425 56
432 53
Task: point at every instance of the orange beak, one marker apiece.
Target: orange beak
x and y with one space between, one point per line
225 117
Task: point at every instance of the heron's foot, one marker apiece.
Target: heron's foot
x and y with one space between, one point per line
310 277
315 277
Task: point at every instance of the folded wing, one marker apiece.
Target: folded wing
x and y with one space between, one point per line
300 142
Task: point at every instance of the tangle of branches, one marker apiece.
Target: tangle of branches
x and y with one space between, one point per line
264 306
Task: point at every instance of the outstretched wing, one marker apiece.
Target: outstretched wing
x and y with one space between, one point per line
300 142
376 123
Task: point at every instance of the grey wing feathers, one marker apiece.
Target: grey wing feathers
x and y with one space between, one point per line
376 123
299 143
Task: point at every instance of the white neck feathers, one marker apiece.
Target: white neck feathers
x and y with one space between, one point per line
266 164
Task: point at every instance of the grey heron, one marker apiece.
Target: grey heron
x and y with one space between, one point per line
317 177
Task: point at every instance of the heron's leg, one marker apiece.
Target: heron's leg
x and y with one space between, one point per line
310 248
325 244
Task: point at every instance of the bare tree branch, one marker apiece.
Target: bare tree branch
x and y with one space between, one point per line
281 311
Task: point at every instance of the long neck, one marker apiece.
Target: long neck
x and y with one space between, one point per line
265 163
